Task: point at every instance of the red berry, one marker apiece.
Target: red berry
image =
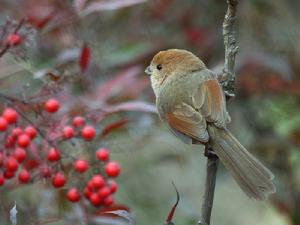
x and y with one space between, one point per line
112 185
16 132
46 171
10 115
108 201
24 176
90 185
30 131
102 154
98 181
95 199
88 133
87 192
10 141
73 195
23 140
52 105
11 164
81 165
58 180
104 192
53 155
112 169
8 174
1 159
78 121
20 154
14 39
3 124
2 179
68 132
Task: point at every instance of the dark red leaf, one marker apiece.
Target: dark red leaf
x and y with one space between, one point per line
40 13
113 126
117 83
132 106
39 23
84 59
195 35
105 109
171 213
161 8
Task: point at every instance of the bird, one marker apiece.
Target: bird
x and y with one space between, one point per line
190 100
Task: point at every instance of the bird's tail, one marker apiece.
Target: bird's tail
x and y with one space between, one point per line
253 177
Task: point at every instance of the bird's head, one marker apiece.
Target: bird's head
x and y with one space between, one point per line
172 62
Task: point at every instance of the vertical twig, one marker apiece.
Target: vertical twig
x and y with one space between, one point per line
210 182
231 48
227 81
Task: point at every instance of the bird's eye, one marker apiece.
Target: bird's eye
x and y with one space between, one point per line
159 67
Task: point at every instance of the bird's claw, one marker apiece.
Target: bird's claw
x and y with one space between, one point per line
209 152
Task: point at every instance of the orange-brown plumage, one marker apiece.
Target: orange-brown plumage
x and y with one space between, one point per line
191 101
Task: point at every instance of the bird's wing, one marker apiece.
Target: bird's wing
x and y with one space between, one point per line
186 122
209 100
189 121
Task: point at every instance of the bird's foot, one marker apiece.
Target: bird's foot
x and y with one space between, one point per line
209 152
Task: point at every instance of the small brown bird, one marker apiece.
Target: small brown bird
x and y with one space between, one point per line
191 101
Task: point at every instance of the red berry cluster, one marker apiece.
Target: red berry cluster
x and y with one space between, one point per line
19 155
13 149
99 189
87 132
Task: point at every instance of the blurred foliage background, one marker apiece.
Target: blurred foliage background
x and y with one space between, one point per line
122 36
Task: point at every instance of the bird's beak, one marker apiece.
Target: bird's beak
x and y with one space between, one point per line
148 70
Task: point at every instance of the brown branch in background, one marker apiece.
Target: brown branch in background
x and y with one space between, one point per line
4 50
33 124
227 81
13 99
19 25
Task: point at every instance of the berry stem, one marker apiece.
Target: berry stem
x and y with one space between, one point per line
7 46
20 24
12 99
4 50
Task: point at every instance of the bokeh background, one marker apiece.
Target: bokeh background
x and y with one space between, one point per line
122 36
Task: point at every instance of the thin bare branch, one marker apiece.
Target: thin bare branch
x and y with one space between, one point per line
210 182
228 82
6 47
231 48
4 50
